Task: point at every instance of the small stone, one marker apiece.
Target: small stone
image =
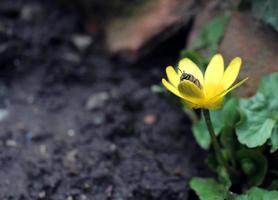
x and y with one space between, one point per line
113 147
29 12
98 119
4 113
86 185
96 100
109 191
11 143
70 162
71 132
42 195
150 119
43 150
69 198
82 42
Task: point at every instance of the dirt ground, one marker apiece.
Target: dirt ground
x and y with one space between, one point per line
77 125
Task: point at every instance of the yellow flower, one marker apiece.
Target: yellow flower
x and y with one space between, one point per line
208 90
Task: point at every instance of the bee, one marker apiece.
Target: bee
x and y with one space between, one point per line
191 78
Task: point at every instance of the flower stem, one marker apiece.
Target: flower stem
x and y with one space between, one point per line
214 141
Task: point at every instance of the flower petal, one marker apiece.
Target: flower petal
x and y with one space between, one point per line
231 73
213 76
190 67
233 87
172 76
187 88
213 105
171 88
221 95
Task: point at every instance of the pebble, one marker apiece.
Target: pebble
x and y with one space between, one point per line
42 195
109 191
82 42
69 198
29 12
150 119
4 113
96 100
98 119
11 143
113 147
71 162
71 132
43 150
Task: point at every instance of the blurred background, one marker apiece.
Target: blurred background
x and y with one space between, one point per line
82 112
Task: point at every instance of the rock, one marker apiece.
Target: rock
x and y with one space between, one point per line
98 119
149 23
150 119
42 195
11 143
97 100
43 150
82 42
210 10
4 113
70 162
69 198
71 133
30 12
256 44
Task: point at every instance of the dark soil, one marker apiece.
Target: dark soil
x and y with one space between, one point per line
76 125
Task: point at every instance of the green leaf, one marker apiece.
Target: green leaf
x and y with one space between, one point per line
211 34
224 177
267 11
274 139
254 165
256 193
260 120
230 112
208 189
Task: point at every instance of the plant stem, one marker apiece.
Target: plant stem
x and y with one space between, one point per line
214 141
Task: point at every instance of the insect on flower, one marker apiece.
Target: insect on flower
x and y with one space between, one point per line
203 91
190 77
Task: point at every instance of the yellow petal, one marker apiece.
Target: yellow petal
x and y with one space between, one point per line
172 76
221 95
187 88
213 76
234 87
213 105
231 73
175 91
190 67
171 88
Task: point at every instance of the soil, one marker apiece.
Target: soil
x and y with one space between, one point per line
76 124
